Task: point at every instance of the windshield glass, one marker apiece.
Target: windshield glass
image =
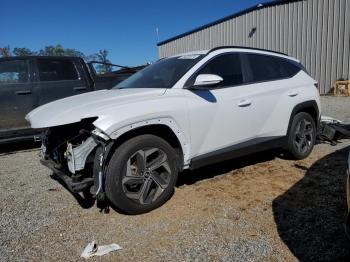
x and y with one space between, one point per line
162 74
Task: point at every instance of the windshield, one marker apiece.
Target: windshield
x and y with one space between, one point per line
162 74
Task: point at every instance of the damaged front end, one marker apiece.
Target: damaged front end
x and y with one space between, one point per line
76 153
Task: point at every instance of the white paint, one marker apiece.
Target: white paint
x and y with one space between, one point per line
203 121
207 80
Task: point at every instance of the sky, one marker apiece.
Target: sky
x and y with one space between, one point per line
127 29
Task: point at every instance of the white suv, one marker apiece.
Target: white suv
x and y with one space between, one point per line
128 144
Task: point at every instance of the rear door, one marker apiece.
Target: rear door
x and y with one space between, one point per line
57 78
16 94
269 86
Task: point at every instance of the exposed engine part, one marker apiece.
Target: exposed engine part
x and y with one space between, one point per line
37 138
73 184
100 174
97 132
69 151
76 157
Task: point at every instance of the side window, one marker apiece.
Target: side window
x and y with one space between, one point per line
13 72
227 66
265 68
56 70
291 67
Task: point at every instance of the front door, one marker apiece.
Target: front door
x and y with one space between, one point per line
220 114
229 115
57 78
16 96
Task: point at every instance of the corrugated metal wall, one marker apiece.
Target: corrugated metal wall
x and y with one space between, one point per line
317 32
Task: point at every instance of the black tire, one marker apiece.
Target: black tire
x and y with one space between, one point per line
296 138
128 164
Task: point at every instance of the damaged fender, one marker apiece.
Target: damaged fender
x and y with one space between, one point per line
166 121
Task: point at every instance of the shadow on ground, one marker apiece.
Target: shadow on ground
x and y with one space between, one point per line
84 199
311 214
12 148
187 177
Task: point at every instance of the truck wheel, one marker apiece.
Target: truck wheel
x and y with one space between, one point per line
302 136
141 174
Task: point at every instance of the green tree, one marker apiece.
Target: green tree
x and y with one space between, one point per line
73 52
89 58
22 51
51 50
5 51
59 50
102 56
47 51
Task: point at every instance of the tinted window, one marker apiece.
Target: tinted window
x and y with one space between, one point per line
268 68
162 74
291 67
228 67
12 72
56 70
265 68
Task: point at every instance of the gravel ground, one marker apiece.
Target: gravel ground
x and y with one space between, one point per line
255 208
337 107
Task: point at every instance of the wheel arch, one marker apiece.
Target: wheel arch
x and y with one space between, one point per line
164 128
309 107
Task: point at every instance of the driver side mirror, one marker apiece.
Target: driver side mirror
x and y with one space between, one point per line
207 81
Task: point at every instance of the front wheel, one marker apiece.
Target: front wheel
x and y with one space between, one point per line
302 136
141 174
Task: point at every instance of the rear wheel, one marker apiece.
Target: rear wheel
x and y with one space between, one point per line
302 136
141 174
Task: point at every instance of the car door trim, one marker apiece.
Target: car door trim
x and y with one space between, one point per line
251 146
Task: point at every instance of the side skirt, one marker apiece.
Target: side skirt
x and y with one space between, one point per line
242 149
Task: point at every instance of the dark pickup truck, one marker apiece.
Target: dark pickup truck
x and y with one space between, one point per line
28 82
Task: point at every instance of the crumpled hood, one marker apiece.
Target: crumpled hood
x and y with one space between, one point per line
93 104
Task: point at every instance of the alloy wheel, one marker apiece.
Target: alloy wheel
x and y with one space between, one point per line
303 139
147 175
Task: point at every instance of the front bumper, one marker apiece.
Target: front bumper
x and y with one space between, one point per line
73 185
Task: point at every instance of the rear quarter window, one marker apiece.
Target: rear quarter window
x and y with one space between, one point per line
269 68
291 67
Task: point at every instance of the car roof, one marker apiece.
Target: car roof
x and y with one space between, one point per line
36 56
238 48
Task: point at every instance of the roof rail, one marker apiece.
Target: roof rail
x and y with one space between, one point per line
246 47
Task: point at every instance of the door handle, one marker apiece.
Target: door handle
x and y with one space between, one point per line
244 103
292 94
79 88
23 92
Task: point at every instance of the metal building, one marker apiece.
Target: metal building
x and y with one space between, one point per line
317 32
